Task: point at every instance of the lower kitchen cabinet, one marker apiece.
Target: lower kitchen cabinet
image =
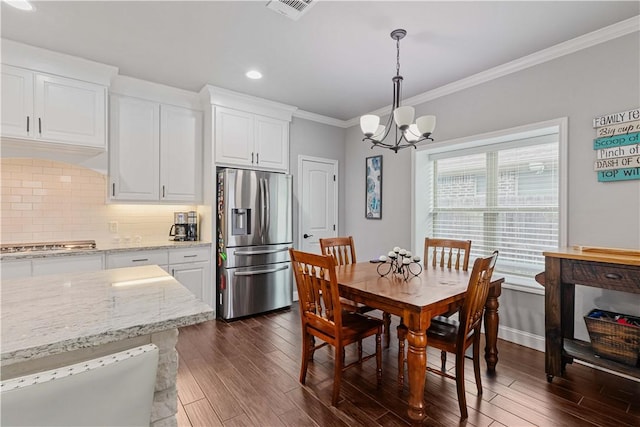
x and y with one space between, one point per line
67 264
137 258
16 269
194 276
192 268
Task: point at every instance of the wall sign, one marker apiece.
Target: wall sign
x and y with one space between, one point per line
617 146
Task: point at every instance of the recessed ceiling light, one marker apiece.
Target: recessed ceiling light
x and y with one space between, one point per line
254 74
20 4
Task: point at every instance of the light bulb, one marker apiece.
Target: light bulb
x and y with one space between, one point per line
20 4
379 133
369 124
403 116
426 125
412 134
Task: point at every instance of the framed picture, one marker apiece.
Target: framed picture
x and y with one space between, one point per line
373 208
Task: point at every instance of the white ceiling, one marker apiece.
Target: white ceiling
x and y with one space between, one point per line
337 60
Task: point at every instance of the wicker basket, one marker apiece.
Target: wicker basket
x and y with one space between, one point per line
613 340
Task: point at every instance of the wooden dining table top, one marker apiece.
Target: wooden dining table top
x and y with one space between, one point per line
432 287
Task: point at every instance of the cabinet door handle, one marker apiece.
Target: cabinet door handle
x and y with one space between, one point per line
163 191
27 124
614 276
257 158
190 256
251 158
113 189
140 260
39 125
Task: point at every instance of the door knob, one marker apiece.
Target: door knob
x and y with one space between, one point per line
306 236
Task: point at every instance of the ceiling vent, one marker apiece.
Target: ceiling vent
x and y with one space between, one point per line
292 9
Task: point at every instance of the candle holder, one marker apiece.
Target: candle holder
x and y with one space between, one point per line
401 262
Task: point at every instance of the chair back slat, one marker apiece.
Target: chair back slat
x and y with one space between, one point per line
341 249
447 253
476 298
317 288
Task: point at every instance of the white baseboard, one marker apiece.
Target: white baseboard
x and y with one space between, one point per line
526 339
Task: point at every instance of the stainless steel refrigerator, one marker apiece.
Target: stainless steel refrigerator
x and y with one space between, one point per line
254 234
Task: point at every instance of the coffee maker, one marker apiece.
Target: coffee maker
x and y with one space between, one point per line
179 228
192 226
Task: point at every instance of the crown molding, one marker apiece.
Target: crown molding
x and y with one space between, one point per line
307 115
602 35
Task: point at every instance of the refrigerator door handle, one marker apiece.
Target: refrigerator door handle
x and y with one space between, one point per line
263 252
255 272
262 206
267 206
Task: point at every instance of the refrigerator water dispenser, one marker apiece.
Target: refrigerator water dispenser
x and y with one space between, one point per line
241 222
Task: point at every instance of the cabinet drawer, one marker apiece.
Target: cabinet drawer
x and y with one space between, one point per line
67 264
132 259
177 256
609 276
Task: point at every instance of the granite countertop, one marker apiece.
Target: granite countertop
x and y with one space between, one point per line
108 248
47 315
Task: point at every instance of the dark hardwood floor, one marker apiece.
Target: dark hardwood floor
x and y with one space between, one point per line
245 373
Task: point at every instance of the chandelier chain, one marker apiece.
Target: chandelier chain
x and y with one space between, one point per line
397 57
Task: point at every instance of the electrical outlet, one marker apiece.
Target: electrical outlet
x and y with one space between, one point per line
113 226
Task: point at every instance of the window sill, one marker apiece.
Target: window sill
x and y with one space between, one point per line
522 284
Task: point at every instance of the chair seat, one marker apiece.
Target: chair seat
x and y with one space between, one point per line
443 328
354 325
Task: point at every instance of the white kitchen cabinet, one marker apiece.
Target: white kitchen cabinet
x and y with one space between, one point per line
155 151
48 108
180 153
134 149
192 268
234 138
17 102
136 258
67 264
272 143
251 140
15 269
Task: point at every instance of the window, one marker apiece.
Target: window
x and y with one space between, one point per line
503 191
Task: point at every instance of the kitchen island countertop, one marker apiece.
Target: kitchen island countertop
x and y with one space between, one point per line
48 315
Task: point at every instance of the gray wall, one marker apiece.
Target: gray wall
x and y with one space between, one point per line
595 81
318 140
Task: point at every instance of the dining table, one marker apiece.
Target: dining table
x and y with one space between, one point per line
416 299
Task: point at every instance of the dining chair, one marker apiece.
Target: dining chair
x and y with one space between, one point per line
455 337
343 250
449 253
323 317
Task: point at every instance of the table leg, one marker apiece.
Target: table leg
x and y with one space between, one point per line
417 368
491 327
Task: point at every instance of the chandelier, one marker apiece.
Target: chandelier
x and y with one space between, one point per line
406 133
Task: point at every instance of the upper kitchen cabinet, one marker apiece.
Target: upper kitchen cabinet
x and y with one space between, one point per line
134 151
50 99
180 153
247 132
155 148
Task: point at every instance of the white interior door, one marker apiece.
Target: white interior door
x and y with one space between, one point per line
318 197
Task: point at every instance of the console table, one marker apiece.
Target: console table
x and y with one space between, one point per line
608 268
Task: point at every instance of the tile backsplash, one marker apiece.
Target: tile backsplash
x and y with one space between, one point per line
45 200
